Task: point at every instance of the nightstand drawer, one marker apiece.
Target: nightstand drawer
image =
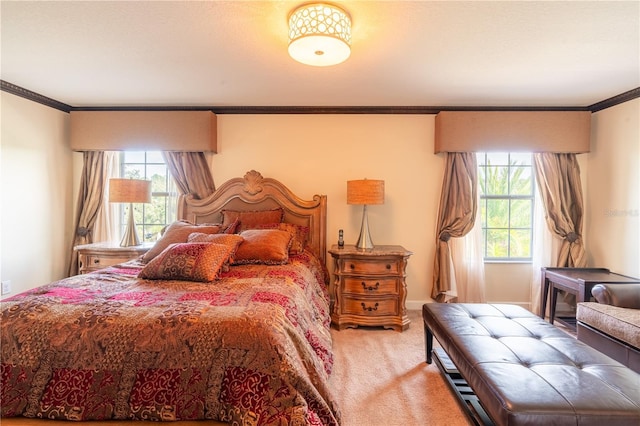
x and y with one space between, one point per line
371 286
99 262
370 307
371 267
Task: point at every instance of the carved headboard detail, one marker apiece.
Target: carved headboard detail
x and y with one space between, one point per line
255 192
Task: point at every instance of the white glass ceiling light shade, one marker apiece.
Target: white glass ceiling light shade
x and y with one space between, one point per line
319 34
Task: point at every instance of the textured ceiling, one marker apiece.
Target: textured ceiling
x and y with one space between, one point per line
404 53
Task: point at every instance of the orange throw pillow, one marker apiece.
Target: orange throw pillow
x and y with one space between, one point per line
268 246
251 219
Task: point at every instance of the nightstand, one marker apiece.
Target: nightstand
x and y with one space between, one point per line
92 257
369 287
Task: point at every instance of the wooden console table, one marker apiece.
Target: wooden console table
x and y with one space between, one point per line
577 281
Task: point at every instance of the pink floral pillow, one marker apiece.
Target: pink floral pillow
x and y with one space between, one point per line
188 262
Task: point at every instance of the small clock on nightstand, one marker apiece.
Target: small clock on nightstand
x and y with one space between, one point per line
92 257
369 287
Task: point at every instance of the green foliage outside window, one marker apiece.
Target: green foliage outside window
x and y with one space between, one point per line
506 205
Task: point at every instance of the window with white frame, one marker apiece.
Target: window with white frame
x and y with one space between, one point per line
152 217
506 186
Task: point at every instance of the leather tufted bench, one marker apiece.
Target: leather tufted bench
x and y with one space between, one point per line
526 371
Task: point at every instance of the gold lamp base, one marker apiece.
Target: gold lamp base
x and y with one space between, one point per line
364 240
130 237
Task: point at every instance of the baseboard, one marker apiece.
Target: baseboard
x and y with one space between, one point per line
416 305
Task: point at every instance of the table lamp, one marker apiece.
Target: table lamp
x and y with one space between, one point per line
365 192
130 191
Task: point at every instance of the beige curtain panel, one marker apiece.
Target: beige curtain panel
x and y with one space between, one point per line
457 214
558 178
92 184
191 173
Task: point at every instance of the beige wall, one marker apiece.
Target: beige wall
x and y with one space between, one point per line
613 223
508 283
319 153
36 193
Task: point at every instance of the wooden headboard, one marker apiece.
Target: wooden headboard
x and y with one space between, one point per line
254 192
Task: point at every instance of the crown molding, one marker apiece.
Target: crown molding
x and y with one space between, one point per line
615 100
32 96
35 97
328 109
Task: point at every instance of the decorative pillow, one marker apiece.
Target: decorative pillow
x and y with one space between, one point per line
251 219
187 261
231 240
232 227
621 296
299 235
178 232
268 246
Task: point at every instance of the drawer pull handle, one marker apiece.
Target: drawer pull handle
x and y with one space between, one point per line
388 266
96 261
352 266
371 287
369 308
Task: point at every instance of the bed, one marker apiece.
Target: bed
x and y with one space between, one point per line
252 346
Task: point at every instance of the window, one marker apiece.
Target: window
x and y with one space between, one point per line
506 185
150 218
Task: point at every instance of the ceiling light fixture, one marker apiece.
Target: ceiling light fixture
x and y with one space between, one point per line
319 34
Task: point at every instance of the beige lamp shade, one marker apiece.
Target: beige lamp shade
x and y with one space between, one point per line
365 191
129 191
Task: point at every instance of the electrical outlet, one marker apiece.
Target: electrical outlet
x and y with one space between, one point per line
6 287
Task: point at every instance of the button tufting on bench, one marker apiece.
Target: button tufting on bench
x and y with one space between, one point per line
531 378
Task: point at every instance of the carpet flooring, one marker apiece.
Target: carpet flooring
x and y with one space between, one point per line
380 378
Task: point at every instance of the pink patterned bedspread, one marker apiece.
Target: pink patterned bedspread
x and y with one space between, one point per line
252 348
